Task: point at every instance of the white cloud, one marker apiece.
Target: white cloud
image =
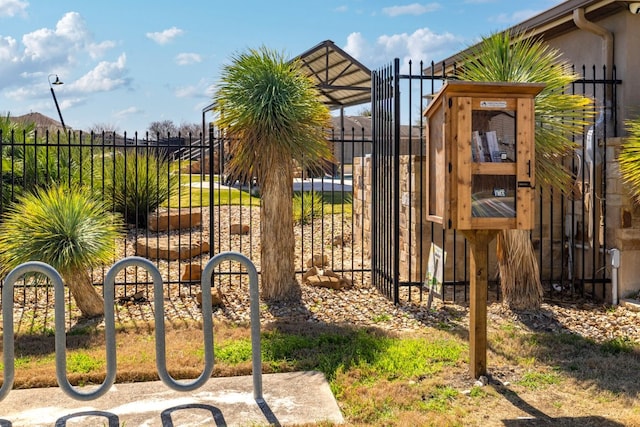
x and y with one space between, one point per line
411 9
105 76
127 112
66 49
199 90
13 7
515 17
8 49
341 9
97 50
67 103
422 44
164 37
188 58
61 46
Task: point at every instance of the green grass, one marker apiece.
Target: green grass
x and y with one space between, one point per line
196 197
535 380
378 378
331 203
440 399
618 346
83 363
376 356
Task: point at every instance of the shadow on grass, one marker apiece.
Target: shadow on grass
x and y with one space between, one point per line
612 365
538 418
326 347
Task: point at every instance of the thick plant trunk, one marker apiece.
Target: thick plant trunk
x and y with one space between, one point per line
276 231
87 298
519 273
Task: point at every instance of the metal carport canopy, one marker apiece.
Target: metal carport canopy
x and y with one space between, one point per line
341 79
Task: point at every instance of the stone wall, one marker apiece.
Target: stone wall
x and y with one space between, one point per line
415 230
623 223
362 203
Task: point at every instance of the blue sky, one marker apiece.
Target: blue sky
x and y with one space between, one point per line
125 64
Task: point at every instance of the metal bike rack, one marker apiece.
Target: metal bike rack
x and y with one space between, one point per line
109 320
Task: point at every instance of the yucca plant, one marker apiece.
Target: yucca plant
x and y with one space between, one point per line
516 57
136 183
307 206
66 228
274 115
629 158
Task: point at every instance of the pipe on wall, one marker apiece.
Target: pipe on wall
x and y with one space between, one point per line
607 37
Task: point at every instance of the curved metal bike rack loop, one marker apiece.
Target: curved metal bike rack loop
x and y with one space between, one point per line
254 295
60 332
109 319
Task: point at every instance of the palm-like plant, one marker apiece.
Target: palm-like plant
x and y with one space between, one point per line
11 132
65 228
629 158
273 114
515 57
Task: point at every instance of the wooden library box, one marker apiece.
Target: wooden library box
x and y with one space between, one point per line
481 155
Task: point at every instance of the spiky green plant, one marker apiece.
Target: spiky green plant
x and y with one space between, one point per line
136 183
65 228
12 176
307 206
274 116
516 57
629 158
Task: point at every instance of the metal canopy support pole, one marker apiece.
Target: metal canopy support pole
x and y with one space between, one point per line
479 248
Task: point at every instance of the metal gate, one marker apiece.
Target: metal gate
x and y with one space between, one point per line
571 235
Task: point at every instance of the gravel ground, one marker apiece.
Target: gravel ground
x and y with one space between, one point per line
360 305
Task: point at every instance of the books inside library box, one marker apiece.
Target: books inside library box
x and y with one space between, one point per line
493 204
486 147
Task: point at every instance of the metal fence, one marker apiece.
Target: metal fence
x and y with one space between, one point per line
570 238
370 225
212 212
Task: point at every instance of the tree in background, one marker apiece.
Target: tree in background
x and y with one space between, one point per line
514 57
163 128
273 115
99 128
190 129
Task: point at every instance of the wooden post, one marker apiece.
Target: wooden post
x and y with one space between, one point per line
479 248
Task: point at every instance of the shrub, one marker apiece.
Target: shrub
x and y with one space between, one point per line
136 183
65 228
307 206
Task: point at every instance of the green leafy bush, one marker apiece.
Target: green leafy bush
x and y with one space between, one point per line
137 183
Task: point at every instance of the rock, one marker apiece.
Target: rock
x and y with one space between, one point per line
136 298
318 261
171 249
192 273
325 279
241 229
175 219
481 382
341 240
216 297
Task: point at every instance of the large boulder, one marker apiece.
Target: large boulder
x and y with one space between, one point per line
171 249
175 219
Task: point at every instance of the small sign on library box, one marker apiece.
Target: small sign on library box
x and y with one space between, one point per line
435 272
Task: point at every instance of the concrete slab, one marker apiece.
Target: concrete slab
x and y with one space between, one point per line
289 398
